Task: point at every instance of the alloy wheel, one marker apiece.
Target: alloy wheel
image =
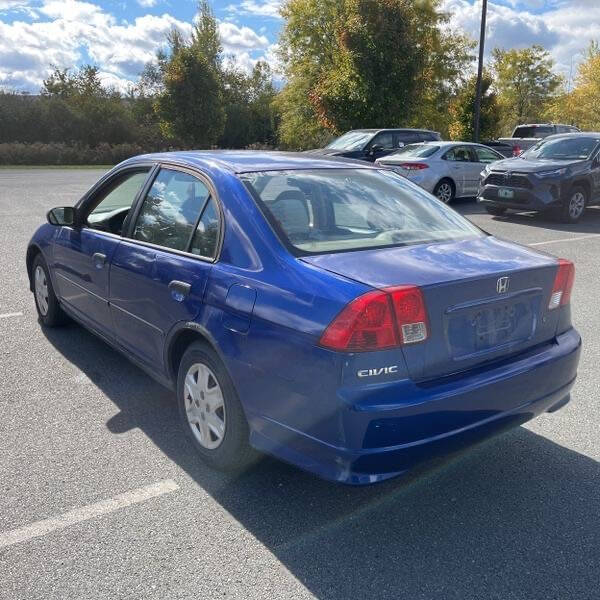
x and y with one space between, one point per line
444 192
41 290
576 205
204 406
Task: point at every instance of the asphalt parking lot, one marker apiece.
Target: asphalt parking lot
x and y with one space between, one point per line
101 496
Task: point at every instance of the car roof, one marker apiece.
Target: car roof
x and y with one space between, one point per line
248 161
444 143
393 129
575 134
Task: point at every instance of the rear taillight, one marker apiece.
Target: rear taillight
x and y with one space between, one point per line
516 150
563 284
414 166
379 320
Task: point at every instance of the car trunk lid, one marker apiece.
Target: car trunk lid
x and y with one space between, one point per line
486 298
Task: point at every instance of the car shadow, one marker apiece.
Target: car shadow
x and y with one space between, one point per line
589 223
516 517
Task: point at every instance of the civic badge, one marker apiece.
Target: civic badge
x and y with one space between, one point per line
502 285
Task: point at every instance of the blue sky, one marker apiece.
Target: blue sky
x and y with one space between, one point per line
121 36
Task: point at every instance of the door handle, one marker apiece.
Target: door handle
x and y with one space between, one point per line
99 259
180 290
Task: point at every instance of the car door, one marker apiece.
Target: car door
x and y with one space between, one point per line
460 167
159 273
82 254
482 157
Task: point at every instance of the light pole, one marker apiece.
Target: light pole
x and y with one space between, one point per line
480 70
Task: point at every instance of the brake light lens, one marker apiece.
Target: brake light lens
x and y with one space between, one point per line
414 166
516 150
563 284
378 320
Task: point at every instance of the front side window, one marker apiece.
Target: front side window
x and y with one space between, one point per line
334 210
114 202
171 210
485 155
385 140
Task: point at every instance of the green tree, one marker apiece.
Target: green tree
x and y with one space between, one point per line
191 105
525 84
462 111
364 63
581 105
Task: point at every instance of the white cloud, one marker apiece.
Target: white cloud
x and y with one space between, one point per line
235 37
564 30
147 3
264 8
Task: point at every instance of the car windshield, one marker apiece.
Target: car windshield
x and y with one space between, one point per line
575 148
532 131
416 151
335 210
353 140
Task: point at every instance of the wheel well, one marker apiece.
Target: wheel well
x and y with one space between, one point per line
178 347
32 252
449 180
585 185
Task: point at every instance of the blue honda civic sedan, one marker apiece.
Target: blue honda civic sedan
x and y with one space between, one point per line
330 313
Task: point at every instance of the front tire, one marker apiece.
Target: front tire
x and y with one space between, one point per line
210 411
445 191
46 302
574 205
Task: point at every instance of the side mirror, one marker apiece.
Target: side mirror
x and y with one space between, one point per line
62 215
376 148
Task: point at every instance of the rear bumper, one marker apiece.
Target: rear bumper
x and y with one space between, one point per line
389 428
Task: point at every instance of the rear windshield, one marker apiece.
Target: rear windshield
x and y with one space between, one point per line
335 210
416 151
533 132
576 148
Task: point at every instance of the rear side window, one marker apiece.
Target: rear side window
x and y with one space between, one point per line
206 236
458 154
171 210
335 210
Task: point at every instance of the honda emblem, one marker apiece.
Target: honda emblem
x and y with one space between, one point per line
502 285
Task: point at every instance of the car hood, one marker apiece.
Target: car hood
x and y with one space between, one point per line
523 165
428 264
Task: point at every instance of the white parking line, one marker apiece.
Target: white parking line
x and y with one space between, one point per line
85 513
571 239
8 315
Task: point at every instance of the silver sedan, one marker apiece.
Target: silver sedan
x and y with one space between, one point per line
446 169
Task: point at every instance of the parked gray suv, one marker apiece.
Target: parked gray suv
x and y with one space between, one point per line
560 173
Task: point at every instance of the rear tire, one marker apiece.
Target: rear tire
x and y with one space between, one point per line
210 411
445 191
46 302
574 205
497 211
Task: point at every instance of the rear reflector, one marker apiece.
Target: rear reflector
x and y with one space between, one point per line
379 320
563 284
414 166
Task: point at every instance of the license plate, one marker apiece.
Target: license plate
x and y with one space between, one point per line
506 193
494 322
